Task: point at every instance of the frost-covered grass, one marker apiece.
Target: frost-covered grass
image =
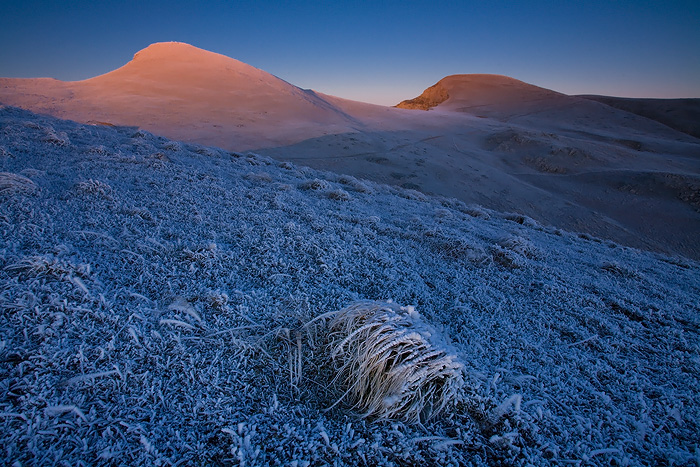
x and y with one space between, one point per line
393 364
154 298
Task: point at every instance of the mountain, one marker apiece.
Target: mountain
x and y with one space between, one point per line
508 99
184 92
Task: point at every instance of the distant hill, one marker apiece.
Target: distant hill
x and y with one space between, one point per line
469 93
184 92
679 114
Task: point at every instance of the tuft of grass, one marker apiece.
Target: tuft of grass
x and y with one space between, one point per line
5 153
354 183
391 363
475 211
141 134
315 184
520 219
94 187
173 146
262 177
338 195
619 270
56 138
49 266
519 245
14 183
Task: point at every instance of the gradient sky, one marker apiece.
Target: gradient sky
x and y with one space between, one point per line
376 51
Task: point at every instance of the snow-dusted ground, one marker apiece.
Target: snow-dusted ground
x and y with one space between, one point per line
147 289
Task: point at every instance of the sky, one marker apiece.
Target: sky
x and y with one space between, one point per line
376 51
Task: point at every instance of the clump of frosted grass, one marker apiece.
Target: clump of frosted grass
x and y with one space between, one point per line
315 184
392 363
14 183
354 183
56 138
519 245
338 195
95 187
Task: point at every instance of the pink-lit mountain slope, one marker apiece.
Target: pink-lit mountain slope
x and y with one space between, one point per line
184 92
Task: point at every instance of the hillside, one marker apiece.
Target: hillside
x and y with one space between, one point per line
476 92
492 140
154 293
180 91
680 114
562 160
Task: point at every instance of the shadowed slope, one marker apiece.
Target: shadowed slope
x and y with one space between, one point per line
563 160
679 114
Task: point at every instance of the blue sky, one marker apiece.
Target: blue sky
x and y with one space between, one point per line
375 51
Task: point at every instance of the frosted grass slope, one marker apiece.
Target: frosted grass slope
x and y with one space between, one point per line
153 293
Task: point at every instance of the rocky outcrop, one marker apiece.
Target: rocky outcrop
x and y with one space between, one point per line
431 97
